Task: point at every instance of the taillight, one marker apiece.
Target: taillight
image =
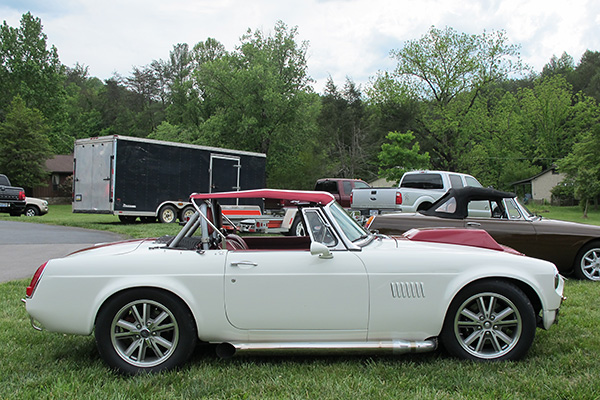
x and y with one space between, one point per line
21 195
398 198
35 280
351 197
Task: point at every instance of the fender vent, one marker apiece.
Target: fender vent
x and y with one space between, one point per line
407 290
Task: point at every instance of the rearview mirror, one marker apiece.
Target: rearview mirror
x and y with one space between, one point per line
321 250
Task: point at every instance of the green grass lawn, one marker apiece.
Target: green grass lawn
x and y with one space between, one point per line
564 362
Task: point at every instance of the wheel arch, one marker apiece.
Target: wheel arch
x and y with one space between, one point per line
593 242
34 207
182 299
525 287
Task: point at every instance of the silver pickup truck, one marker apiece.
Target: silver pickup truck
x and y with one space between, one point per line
416 191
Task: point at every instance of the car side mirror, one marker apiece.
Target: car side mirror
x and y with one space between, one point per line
319 249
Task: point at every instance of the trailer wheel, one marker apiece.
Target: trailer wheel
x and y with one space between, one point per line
187 213
167 214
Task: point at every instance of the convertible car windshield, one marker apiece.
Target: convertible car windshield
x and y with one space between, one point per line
347 224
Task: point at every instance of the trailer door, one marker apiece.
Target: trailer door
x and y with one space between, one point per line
93 177
224 173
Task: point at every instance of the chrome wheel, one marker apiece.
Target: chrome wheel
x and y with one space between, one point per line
144 333
145 330
488 325
590 264
489 320
31 212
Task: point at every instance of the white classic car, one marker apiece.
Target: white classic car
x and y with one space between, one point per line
340 288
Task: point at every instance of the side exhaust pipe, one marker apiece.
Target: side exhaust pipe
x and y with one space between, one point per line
228 350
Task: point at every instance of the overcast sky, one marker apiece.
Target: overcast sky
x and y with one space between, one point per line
347 38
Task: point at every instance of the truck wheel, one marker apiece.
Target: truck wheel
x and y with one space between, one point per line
31 211
167 215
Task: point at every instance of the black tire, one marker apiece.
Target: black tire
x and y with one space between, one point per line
587 262
133 341
31 211
503 329
186 213
167 215
298 228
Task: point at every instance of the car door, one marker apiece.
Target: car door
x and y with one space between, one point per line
511 230
294 290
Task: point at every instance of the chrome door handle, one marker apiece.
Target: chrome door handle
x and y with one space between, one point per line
473 224
244 264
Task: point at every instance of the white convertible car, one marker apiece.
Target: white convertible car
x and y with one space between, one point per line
339 288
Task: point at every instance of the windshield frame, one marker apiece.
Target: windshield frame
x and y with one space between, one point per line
349 229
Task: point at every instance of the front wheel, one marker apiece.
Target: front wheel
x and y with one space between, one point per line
31 211
167 215
587 263
489 321
145 330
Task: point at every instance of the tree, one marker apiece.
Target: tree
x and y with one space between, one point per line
258 99
546 110
582 164
586 77
448 71
348 132
399 156
24 145
31 70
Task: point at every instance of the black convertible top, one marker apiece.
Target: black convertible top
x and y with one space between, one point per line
462 197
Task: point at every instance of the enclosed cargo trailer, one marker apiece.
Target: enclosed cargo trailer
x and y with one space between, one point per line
133 177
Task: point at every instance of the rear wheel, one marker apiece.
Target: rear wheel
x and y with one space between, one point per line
587 263
145 330
187 213
489 320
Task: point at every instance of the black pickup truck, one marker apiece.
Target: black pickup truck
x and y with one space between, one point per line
12 199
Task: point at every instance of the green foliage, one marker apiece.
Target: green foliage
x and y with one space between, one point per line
31 70
583 166
258 99
546 108
398 156
449 72
349 132
459 94
24 145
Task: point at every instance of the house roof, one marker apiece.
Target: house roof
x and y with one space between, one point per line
533 177
60 163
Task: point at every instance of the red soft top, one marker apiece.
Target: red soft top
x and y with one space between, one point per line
291 195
